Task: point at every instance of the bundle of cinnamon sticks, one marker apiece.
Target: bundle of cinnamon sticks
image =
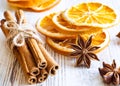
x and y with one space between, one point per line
34 59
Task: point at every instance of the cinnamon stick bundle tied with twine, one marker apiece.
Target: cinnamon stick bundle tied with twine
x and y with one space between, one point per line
21 52
28 48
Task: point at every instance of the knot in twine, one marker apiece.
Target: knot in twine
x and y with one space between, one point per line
18 33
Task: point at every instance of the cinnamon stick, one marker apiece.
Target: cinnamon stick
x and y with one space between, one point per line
30 79
52 66
8 16
19 14
32 43
43 76
39 58
28 61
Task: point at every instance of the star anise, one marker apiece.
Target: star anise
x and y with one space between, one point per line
84 51
118 35
110 73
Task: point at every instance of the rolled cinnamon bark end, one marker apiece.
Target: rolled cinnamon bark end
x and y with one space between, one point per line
19 14
37 54
53 69
52 66
31 79
43 76
42 65
8 16
3 28
34 71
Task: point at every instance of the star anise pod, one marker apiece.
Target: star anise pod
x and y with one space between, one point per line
110 73
118 35
84 51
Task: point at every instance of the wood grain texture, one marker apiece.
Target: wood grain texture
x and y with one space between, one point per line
11 73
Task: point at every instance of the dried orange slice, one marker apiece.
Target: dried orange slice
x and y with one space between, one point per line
63 45
47 28
91 14
45 6
65 27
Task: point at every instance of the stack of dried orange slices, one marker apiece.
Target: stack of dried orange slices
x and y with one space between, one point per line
85 19
34 5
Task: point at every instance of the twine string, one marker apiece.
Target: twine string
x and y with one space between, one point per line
19 32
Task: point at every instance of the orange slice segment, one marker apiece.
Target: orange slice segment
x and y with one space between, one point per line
63 46
91 14
47 28
45 6
65 27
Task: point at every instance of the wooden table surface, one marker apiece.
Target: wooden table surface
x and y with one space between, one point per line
68 75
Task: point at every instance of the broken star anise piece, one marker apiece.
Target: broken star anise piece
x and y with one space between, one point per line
118 35
84 52
110 73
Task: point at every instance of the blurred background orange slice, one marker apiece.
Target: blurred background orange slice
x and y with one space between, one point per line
16 0
21 4
45 6
34 5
